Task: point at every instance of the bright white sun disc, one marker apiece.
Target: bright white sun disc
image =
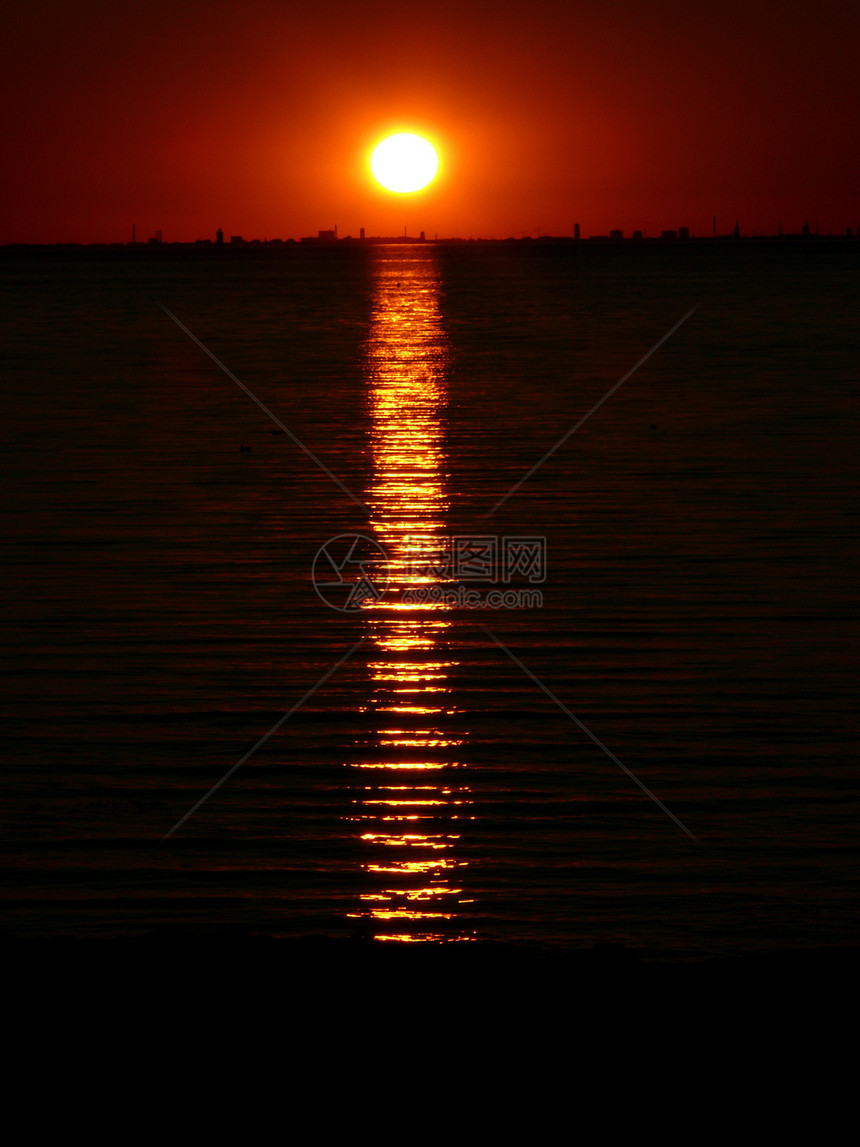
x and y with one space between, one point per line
404 162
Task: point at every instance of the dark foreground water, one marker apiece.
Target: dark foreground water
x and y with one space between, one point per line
693 603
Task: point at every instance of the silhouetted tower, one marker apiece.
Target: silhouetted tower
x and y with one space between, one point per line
219 237
576 230
361 233
737 231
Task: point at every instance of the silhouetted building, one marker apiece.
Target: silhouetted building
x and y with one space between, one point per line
576 230
327 236
737 231
683 232
669 235
236 239
361 233
806 231
219 237
616 235
637 234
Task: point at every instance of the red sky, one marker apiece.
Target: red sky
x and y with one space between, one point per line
259 117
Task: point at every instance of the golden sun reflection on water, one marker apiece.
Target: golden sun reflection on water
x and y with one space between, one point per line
411 810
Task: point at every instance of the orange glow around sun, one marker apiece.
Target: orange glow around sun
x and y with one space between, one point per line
404 162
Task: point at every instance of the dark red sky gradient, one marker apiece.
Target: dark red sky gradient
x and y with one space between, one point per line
259 117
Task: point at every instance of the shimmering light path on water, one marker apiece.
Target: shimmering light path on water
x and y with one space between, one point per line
412 797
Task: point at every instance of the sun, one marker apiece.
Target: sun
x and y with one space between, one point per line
404 162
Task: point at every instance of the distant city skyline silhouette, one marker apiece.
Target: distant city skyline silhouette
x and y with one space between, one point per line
330 237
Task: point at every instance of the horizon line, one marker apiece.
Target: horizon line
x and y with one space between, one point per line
615 237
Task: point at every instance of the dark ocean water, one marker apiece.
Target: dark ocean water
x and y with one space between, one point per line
698 616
